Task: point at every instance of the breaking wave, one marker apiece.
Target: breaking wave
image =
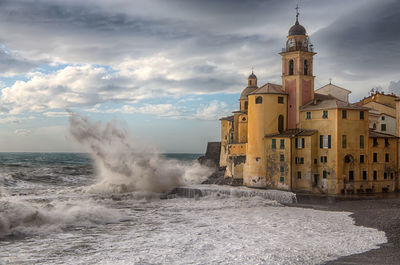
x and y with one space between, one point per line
19 217
123 165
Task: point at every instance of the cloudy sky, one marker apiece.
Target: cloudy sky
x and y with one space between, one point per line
169 69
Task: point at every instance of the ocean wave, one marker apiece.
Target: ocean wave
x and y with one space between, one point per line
19 217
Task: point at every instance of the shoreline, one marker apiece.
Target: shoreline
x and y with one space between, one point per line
381 212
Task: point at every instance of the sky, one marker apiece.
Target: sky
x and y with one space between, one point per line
168 70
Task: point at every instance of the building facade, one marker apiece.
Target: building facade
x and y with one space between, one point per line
292 137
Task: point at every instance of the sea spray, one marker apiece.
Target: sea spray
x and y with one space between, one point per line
124 165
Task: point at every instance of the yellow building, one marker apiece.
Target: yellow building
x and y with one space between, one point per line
291 137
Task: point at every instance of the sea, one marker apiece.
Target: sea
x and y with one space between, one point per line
64 208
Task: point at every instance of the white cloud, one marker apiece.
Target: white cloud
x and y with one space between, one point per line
54 114
22 132
161 110
9 119
212 111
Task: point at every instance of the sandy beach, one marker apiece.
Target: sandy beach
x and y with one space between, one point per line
381 212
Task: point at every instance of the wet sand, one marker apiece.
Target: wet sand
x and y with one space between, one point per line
381 212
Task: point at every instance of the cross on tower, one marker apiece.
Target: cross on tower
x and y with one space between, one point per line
297 12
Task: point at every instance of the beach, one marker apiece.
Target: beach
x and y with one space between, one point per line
381 212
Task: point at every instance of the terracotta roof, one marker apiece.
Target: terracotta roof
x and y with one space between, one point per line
335 86
240 111
293 133
374 134
329 102
269 89
228 118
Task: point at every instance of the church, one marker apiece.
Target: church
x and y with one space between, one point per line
294 137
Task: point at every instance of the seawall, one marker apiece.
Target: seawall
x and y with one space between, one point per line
194 191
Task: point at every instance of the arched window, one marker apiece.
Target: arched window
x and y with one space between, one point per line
249 82
246 105
258 100
280 123
305 67
291 67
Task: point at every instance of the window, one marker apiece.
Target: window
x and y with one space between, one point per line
385 175
383 118
282 158
324 174
383 127
361 158
344 114
361 141
324 159
291 67
246 105
305 67
364 175
325 114
351 175
391 175
282 169
299 160
386 157
280 123
325 141
344 141
299 174
273 143
347 159
249 82
300 143
282 179
280 100
375 175
375 142
386 142
315 161
258 100
361 115
308 117
282 146
375 157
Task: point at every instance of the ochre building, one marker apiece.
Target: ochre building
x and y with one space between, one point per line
293 137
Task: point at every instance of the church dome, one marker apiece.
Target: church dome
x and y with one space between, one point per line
297 29
247 91
252 76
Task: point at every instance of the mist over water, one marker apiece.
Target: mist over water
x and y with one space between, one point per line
123 165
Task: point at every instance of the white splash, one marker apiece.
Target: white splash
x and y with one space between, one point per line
124 165
18 216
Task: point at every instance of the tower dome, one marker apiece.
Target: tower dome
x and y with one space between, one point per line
297 29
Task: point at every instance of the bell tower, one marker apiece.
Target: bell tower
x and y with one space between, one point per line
297 71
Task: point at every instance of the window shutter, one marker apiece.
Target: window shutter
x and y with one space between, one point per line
329 141
321 141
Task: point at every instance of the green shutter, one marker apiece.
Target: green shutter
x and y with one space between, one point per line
321 141
273 143
329 141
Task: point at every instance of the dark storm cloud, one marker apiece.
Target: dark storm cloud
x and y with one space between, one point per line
364 43
355 40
